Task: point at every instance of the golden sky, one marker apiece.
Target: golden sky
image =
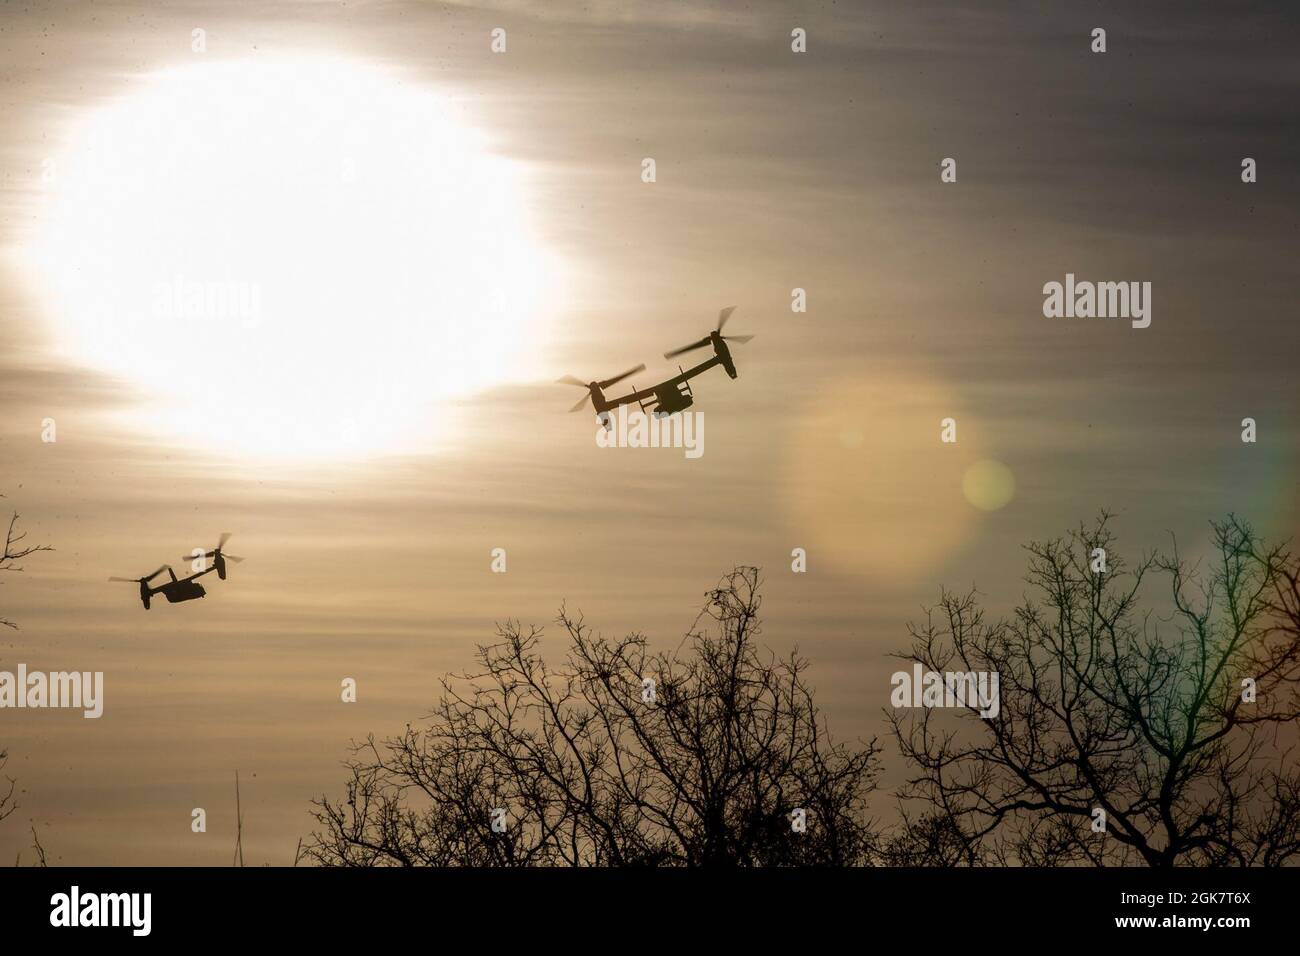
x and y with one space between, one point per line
774 171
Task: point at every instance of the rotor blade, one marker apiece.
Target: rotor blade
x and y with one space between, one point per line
618 378
582 401
571 380
742 339
235 558
724 315
160 570
221 542
194 557
125 580
689 348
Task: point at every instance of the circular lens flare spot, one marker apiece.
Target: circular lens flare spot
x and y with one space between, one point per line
870 484
988 485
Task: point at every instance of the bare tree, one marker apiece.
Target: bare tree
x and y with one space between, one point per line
1173 728
14 550
619 757
7 803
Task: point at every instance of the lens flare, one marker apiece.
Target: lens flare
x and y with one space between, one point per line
988 485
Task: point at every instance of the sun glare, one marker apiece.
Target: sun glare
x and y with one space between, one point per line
297 258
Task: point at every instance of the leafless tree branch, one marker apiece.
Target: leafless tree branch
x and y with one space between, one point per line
1144 716
709 773
15 550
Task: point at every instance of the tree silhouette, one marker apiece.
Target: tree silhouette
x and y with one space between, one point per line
14 551
704 763
1145 716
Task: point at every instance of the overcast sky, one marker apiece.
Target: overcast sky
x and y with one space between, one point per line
775 171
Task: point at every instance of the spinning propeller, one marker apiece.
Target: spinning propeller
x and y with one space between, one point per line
143 580
591 386
723 316
219 558
143 583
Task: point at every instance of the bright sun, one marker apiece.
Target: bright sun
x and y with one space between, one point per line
296 258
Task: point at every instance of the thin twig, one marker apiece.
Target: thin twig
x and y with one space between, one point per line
40 850
239 827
